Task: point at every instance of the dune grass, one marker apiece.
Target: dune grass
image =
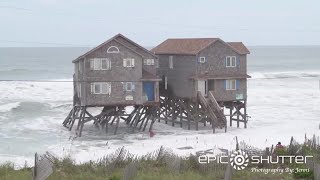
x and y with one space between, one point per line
66 169
158 165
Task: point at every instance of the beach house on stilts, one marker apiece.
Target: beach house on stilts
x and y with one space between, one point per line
201 77
116 74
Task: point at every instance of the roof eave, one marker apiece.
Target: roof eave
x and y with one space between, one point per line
146 50
189 54
151 79
114 38
220 77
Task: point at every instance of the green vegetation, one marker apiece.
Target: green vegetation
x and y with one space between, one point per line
147 170
155 170
163 164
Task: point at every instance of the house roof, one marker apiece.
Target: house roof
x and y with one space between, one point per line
114 38
240 47
192 46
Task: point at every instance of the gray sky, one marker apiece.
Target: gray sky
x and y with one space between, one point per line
149 22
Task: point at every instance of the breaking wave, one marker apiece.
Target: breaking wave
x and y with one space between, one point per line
284 75
27 107
9 106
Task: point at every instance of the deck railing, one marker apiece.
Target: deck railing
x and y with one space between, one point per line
202 99
216 106
204 102
214 101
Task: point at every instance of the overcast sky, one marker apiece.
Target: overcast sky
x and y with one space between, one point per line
149 22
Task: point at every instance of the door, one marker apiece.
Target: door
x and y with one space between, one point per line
148 89
202 87
211 85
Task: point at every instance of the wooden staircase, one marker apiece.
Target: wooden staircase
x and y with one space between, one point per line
213 109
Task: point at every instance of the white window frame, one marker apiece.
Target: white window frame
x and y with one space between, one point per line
165 82
100 84
231 61
202 59
231 84
171 62
131 86
116 51
128 62
149 62
96 64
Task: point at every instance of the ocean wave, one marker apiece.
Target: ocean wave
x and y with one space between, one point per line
284 75
31 107
15 70
36 91
65 79
9 106
24 107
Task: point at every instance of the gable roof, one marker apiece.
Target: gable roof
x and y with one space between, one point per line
192 46
188 46
114 39
240 47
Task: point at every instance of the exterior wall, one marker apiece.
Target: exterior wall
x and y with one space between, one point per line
229 95
157 98
150 68
117 72
117 75
215 65
78 78
186 66
179 77
117 96
215 55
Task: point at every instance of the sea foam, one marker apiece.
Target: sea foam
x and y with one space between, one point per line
284 75
9 106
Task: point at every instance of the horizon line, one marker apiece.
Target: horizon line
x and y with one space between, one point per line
260 45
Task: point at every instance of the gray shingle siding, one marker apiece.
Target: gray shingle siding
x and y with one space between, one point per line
216 58
216 55
152 69
179 77
184 67
229 95
116 75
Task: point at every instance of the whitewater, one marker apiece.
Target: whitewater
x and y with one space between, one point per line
283 101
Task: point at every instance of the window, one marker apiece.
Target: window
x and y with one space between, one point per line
202 59
231 61
100 64
231 84
129 98
101 88
79 65
129 62
113 49
105 64
165 82
171 62
128 86
148 62
79 90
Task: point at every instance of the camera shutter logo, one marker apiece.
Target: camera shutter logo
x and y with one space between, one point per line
239 160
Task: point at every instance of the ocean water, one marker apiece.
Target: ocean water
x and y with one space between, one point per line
283 101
